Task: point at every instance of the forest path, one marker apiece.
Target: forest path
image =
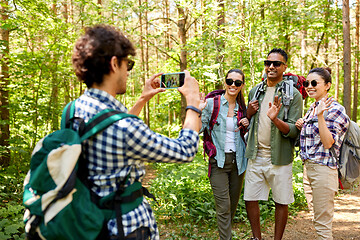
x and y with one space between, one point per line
346 224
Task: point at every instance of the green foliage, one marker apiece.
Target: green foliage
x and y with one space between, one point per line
11 209
42 35
300 200
185 197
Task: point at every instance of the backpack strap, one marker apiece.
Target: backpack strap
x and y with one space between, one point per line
101 121
67 114
287 90
259 90
215 112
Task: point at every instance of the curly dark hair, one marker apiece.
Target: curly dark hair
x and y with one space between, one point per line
279 51
94 50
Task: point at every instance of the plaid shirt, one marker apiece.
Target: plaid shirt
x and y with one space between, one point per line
311 148
120 151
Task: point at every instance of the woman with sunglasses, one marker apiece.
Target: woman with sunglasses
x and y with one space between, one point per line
228 166
323 129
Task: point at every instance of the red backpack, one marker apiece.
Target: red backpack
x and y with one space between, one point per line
209 147
298 83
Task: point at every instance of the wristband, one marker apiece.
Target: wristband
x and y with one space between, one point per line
194 109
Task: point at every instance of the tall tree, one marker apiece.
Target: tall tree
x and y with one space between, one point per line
326 29
356 72
99 2
337 64
303 39
142 51
183 52
347 56
220 43
147 117
53 100
4 84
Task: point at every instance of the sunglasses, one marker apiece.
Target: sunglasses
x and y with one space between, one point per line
313 83
230 82
268 63
130 64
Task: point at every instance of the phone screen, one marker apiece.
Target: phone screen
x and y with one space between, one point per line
172 80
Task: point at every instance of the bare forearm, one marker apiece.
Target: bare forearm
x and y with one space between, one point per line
192 121
138 106
281 125
325 135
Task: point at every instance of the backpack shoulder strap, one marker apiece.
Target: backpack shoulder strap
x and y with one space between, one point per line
259 89
287 89
101 121
67 114
215 112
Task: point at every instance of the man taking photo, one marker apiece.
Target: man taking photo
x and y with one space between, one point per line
116 156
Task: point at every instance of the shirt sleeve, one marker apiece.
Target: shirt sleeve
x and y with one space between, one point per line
337 122
206 114
144 144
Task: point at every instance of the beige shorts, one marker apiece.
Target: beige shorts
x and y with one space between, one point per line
261 175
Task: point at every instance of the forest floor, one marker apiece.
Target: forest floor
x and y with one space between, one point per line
346 224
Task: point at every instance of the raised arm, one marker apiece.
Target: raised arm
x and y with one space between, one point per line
151 88
190 90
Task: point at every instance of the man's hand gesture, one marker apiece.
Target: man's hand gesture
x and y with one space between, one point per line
274 108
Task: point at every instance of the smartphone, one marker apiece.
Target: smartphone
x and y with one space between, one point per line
172 80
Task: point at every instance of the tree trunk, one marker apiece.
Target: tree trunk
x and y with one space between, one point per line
317 50
220 44
53 101
337 65
285 23
99 10
142 56
4 94
347 57
337 70
167 48
183 53
326 37
303 51
242 19
147 60
356 73
69 91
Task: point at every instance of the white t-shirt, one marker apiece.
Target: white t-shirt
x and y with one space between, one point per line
230 135
264 132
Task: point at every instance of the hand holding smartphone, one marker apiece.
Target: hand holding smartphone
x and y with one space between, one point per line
172 80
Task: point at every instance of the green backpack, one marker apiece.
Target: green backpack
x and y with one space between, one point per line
58 202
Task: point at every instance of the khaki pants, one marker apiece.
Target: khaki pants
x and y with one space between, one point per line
321 185
226 185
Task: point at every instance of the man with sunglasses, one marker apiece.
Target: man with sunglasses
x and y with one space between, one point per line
116 155
270 145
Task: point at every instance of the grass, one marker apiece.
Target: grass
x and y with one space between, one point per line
186 208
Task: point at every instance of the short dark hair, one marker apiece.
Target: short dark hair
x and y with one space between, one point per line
279 51
240 98
323 72
94 50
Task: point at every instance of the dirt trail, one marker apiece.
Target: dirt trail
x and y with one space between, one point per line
346 224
